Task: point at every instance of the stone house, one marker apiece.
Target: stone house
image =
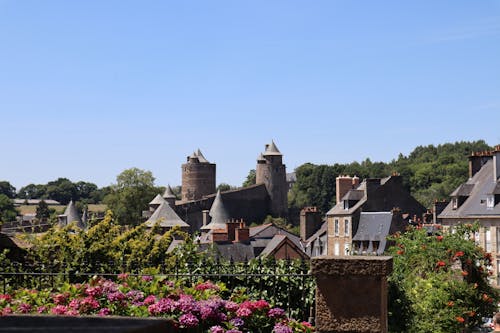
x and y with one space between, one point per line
477 200
371 195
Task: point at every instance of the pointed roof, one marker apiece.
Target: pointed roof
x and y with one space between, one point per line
166 217
169 194
71 215
218 213
271 149
85 218
261 157
200 156
158 200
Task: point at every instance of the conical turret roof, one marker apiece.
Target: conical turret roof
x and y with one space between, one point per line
158 200
271 149
201 158
169 194
218 213
71 215
166 217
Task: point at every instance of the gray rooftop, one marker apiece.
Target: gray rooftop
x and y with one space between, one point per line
71 215
374 226
463 190
166 217
169 193
474 206
158 200
271 149
200 156
218 213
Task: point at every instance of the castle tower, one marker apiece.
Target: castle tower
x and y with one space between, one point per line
272 172
198 177
169 196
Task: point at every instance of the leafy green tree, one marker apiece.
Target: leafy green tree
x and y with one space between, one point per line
251 178
7 210
62 190
439 282
7 189
42 210
131 194
31 191
224 187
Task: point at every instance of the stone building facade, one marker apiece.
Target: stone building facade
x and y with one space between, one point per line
198 177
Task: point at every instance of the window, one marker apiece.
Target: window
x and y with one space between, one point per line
487 239
454 203
346 227
336 227
490 201
346 249
346 204
337 249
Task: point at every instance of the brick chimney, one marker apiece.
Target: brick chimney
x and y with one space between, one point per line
344 184
242 234
206 217
478 159
310 222
219 235
231 229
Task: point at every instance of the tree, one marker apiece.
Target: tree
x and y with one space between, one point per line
42 210
7 210
32 191
7 189
251 178
439 282
224 187
62 190
131 194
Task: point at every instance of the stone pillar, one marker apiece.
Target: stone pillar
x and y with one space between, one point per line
351 293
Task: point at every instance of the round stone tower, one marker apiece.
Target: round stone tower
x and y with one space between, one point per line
272 172
198 177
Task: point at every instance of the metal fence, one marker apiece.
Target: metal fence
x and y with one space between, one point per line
292 291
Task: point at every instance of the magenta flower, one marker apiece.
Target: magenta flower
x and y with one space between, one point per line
260 304
88 304
234 331
216 329
188 320
5 297
169 284
24 308
59 310
104 312
6 311
60 299
122 276
151 299
94 291
207 286
41 309
231 306
244 312
116 296
164 305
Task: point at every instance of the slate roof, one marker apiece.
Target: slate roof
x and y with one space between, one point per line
463 190
200 156
218 213
354 195
158 200
475 205
35 201
272 150
71 215
374 226
169 193
166 217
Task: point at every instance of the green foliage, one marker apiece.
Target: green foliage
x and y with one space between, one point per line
439 282
130 195
7 210
251 178
7 189
43 211
224 187
429 173
63 190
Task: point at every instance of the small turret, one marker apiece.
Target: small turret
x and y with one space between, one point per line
169 196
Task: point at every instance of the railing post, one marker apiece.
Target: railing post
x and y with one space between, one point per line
351 293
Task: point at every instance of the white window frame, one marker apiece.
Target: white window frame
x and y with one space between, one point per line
346 227
336 227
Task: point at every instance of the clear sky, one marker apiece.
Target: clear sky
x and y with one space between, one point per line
91 88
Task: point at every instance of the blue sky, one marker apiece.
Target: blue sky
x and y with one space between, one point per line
91 88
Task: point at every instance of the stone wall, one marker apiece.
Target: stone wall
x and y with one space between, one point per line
351 293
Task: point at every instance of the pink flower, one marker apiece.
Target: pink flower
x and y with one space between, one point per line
116 296
188 320
216 329
244 312
150 300
104 312
123 276
260 304
6 311
24 308
41 309
147 278
60 299
59 310
5 297
94 291
207 286
276 313
231 306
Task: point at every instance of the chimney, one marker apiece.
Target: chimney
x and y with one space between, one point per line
310 222
242 234
343 185
231 229
206 217
372 184
219 235
496 163
478 159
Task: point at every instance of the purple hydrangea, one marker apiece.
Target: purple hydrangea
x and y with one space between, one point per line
24 308
231 306
237 322
276 313
234 331
282 328
216 329
147 278
59 310
116 296
164 305
188 320
104 312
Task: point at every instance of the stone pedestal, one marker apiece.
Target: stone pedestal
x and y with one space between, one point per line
351 293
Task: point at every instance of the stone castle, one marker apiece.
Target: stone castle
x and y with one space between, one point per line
268 196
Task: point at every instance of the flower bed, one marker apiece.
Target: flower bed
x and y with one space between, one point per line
202 307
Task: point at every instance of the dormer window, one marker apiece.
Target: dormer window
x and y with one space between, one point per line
490 201
454 203
346 204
